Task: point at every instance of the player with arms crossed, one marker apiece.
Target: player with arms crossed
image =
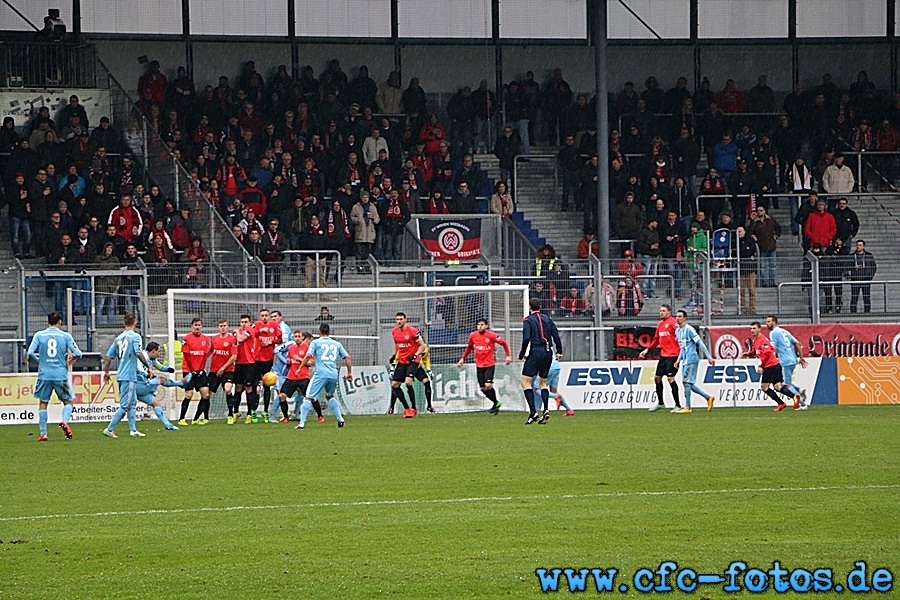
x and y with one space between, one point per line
325 351
268 335
54 350
689 359
223 352
195 349
539 335
790 354
768 364
667 342
483 341
147 387
246 375
409 348
127 348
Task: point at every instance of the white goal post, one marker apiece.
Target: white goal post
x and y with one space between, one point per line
362 319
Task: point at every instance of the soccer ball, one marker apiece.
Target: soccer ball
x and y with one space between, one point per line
269 379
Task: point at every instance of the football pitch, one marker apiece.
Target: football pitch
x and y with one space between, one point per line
450 506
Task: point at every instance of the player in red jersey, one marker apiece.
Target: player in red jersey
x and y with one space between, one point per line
298 376
246 375
768 364
409 347
665 339
221 366
483 341
195 349
268 335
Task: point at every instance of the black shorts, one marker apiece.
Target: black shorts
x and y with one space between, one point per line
537 363
772 375
215 381
292 386
263 367
404 370
665 367
485 375
199 380
246 374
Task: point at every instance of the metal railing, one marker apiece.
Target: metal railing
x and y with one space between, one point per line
163 169
48 64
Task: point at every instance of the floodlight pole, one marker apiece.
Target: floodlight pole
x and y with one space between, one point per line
600 68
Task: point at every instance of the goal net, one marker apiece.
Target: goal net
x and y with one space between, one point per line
362 320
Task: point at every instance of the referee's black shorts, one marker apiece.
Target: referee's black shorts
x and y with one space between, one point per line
537 363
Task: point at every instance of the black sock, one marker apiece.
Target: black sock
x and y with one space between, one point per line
232 405
529 399
545 398
491 394
771 394
267 398
785 391
284 408
185 404
318 407
398 394
204 406
199 411
674 387
659 393
252 401
427 385
412 396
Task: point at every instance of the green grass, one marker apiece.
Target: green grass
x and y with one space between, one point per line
443 506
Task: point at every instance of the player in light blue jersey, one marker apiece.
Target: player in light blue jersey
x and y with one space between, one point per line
280 368
147 386
127 348
790 353
689 359
326 352
54 350
553 385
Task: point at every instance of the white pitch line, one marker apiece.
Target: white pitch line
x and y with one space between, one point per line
176 511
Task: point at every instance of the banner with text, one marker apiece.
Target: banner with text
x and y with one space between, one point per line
457 239
630 385
829 340
23 104
628 342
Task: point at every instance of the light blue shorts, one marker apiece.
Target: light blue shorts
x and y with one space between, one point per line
127 394
280 383
316 386
44 389
146 390
689 372
787 372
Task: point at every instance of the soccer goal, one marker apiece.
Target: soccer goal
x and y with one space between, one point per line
362 320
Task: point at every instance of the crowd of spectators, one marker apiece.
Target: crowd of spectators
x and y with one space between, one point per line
340 163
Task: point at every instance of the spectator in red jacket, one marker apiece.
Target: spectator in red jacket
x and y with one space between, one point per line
154 82
254 198
127 219
820 227
730 99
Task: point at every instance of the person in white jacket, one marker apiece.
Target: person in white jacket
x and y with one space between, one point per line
372 145
838 177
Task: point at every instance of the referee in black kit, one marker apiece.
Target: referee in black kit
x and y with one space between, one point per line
540 333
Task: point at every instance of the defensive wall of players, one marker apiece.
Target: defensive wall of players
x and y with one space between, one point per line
606 385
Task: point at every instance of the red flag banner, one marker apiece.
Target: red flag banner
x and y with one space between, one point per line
826 340
458 239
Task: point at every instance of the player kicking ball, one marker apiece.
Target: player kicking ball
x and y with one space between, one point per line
326 352
147 387
54 350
